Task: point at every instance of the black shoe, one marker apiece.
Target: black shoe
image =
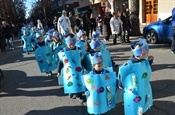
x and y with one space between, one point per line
81 99
49 74
128 41
173 52
72 96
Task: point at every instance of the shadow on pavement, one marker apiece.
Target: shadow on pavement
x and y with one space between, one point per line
162 108
17 83
163 88
156 67
65 110
15 56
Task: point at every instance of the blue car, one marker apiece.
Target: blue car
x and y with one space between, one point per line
160 31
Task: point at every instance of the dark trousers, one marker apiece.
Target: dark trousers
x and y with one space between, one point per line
115 38
173 41
126 31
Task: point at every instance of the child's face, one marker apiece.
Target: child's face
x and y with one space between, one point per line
40 39
71 46
83 37
98 67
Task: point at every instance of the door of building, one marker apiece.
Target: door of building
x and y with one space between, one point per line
151 10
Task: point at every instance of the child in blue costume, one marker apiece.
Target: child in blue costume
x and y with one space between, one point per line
27 46
101 87
43 55
134 78
33 40
58 41
72 62
82 40
82 43
95 46
57 44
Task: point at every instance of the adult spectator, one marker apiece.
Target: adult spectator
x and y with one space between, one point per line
78 23
72 21
8 34
173 27
107 28
86 24
115 23
64 24
99 20
2 40
93 24
39 24
126 27
55 20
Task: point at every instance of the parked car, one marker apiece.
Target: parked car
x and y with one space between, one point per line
159 31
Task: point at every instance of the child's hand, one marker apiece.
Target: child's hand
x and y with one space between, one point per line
120 87
58 74
150 57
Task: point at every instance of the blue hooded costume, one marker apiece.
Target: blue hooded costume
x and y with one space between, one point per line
135 77
72 68
101 88
44 57
27 46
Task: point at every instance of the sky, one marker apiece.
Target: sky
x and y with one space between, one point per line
28 5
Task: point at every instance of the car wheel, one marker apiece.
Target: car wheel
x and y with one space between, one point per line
151 37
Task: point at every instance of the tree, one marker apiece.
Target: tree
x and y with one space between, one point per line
134 17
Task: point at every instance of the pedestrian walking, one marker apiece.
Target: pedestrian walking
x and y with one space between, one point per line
8 34
2 40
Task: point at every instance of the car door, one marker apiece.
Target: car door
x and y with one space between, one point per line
166 32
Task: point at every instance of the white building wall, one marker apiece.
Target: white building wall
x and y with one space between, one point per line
164 8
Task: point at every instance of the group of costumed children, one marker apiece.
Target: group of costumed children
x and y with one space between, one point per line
86 71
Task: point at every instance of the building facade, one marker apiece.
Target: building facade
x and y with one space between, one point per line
149 10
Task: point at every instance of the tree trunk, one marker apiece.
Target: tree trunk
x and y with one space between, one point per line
134 17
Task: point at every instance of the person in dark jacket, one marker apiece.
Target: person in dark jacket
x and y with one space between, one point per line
78 23
93 24
8 34
86 24
2 40
173 27
72 21
99 20
126 27
107 28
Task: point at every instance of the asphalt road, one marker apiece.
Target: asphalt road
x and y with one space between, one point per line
25 91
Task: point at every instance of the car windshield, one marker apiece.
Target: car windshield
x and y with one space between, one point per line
168 19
